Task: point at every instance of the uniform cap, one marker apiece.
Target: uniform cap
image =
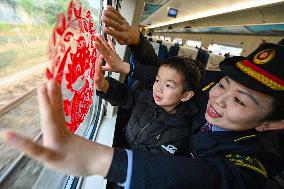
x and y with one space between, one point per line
262 70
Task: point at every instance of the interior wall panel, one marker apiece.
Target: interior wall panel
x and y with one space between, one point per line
247 42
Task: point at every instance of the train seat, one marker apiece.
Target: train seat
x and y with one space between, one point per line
163 52
202 56
168 44
156 46
173 51
213 62
188 51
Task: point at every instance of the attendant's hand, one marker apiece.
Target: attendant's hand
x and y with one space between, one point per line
61 150
119 28
113 61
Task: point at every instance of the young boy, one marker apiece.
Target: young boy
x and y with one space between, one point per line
160 116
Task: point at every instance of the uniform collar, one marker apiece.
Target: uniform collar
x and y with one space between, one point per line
228 136
216 129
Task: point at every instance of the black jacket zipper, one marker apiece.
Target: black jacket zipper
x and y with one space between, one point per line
144 128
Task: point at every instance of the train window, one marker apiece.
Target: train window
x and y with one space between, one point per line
224 49
34 35
168 39
178 41
192 43
156 37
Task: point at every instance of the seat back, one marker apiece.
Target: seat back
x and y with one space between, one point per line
202 56
188 51
163 52
156 47
173 51
213 62
168 44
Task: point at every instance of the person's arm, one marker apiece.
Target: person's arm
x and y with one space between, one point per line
142 170
115 64
57 150
119 28
151 171
158 171
146 62
144 73
144 52
118 94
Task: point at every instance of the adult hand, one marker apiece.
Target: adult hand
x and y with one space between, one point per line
113 61
61 150
119 28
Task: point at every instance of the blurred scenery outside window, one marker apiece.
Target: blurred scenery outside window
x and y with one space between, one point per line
223 49
178 41
192 43
168 39
25 30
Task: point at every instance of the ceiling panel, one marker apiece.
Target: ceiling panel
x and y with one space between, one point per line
156 2
150 7
192 9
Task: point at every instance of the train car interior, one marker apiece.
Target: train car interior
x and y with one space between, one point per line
53 39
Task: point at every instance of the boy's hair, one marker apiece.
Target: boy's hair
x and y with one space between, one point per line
191 70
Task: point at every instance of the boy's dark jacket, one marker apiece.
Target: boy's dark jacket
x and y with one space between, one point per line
150 128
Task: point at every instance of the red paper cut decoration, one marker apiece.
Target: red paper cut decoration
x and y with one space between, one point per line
73 57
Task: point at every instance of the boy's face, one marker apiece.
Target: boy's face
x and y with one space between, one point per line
235 107
168 89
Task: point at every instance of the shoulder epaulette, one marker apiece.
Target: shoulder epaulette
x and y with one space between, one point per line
208 86
247 137
247 162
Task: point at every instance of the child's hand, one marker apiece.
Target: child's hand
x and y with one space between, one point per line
61 150
100 82
113 61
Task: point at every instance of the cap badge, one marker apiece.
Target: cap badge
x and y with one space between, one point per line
264 56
